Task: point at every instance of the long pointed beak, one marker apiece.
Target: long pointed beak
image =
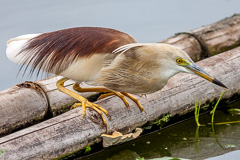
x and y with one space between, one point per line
200 72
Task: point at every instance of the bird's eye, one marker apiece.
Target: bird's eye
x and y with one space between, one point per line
179 60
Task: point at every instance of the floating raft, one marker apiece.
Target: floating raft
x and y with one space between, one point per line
32 102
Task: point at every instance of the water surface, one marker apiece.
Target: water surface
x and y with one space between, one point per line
184 140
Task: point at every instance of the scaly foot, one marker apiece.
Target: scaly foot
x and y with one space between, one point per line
94 106
121 95
83 101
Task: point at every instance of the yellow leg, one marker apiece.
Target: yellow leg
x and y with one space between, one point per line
134 99
76 105
122 93
84 102
119 94
77 88
80 104
105 95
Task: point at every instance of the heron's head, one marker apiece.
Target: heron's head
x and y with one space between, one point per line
165 61
176 60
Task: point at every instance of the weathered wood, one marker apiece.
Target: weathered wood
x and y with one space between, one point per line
209 40
59 102
21 105
213 38
70 132
30 102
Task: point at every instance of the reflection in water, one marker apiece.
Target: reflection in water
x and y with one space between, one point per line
196 138
124 155
183 140
214 135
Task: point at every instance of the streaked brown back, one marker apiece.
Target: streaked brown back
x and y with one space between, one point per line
54 51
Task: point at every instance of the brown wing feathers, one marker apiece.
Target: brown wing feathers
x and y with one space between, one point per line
53 52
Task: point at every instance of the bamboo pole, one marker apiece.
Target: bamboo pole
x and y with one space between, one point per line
21 105
69 132
34 109
209 40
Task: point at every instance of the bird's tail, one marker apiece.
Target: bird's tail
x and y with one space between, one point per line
15 45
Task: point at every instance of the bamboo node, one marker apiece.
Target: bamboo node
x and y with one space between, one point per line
35 86
205 51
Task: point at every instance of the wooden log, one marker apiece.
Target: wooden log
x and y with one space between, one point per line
32 102
60 102
224 33
209 40
13 111
69 132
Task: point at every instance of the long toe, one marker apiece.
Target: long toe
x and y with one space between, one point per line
76 105
93 105
134 99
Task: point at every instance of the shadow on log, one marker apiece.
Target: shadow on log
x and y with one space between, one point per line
69 132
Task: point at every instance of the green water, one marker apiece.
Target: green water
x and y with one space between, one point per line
184 140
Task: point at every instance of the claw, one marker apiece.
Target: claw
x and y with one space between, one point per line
83 101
